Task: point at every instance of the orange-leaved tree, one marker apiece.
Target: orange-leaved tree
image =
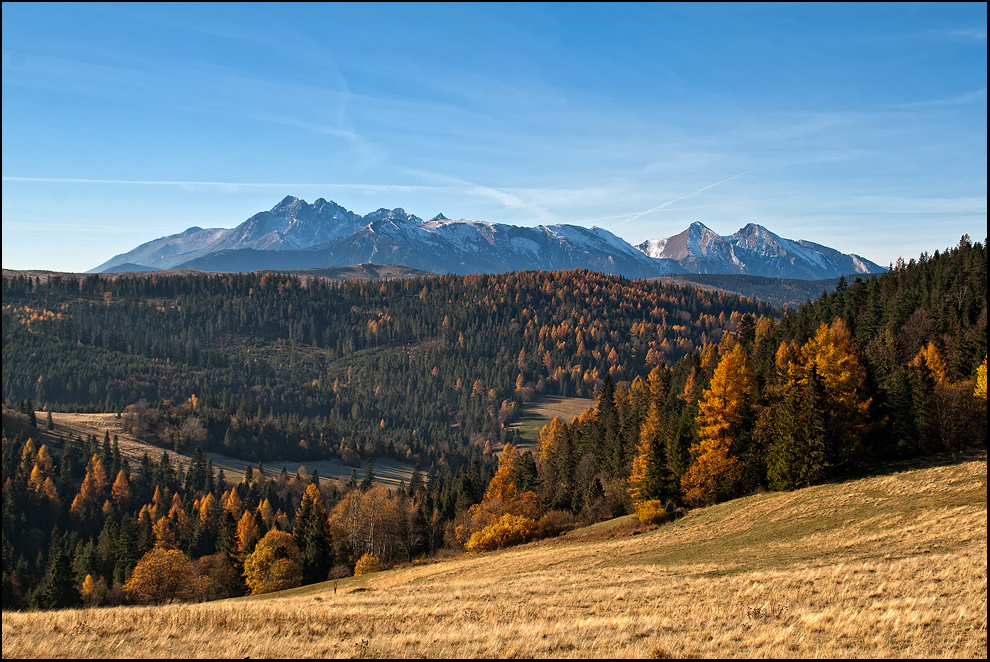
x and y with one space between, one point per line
714 472
162 575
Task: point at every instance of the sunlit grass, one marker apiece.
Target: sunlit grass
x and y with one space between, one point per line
891 565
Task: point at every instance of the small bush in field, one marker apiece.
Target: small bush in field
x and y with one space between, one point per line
556 522
507 531
651 512
367 564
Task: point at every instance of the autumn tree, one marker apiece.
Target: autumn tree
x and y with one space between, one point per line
93 491
162 575
120 492
508 530
367 564
247 534
930 358
276 564
832 355
553 448
721 411
981 381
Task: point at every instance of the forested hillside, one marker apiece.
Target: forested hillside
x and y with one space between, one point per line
282 365
701 397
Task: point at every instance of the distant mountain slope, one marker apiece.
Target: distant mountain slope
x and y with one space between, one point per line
755 251
779 292
295 235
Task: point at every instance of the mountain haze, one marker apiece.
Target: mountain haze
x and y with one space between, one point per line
295 235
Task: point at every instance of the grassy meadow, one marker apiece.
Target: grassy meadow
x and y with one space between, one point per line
387 471
540 412
892 564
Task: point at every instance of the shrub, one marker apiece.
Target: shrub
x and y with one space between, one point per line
507 531
367 564
556 522
651 512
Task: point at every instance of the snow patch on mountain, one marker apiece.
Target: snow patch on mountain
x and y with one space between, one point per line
297 235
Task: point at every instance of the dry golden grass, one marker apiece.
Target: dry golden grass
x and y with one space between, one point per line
892 565
539 413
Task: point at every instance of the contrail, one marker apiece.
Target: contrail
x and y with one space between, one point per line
703 189
689 195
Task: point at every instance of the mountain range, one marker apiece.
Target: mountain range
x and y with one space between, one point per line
296 235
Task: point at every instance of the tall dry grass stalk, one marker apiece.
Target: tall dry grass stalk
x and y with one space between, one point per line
887 566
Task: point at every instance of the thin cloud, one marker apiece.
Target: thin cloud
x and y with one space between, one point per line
276 185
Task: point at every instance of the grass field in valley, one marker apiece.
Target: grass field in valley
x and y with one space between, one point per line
888 565
540 412
387 471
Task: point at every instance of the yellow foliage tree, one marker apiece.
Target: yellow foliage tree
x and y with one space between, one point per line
503 483
367 564
651 512
981 381
721 410
553 439
164 531
275 565
93 591
92 493
209 511
507 531
247 534
232 504
162 575
833 353
929 357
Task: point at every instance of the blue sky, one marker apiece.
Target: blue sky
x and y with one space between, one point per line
861 127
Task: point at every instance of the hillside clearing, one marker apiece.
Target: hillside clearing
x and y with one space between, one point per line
540 412
889 565
387 471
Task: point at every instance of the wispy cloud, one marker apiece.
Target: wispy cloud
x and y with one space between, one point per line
974 97
284 186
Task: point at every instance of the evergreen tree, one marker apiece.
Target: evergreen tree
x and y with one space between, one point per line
58 590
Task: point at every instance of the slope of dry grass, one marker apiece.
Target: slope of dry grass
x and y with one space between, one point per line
539 413
890 565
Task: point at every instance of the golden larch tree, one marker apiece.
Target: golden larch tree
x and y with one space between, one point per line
833 354
503 483
93 491
120 492
721 411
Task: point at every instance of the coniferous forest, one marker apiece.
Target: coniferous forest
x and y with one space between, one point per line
701 397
